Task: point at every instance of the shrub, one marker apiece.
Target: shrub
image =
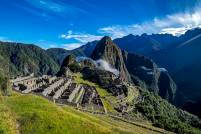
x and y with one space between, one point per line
167 116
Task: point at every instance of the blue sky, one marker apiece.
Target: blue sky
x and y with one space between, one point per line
71 23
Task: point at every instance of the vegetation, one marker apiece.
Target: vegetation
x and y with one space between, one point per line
23 59
167 116
161 113
105 96
75 67
7 122
34 114
5 87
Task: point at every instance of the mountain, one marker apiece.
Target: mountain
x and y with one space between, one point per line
85 50
136 100
146 74
179 55
24 59
108 51
131 67
184 62
127 84
145 44
137 69
58 54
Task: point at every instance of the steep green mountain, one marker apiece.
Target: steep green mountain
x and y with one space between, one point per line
108 51
146 74
23 59
179 55
135 68
58 54
133 101
167 116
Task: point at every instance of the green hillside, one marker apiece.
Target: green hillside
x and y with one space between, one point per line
35 115
23 59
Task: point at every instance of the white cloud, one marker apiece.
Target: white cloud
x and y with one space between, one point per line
119 31
72 46
175 31
175 24
80 37
102 64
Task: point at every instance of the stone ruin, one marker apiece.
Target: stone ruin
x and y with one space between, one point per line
63 90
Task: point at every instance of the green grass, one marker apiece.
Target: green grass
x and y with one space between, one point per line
30 114
106 97
7 122
133 93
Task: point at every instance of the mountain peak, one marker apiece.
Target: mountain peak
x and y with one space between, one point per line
105 45
106 40
111 53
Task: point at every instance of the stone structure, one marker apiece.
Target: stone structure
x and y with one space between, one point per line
61 90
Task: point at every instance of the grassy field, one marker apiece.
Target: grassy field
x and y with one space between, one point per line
31 114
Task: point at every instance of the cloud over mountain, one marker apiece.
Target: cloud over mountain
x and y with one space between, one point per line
175 24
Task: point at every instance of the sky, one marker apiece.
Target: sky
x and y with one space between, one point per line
71 23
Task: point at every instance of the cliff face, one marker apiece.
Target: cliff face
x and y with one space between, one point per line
146 74
108 51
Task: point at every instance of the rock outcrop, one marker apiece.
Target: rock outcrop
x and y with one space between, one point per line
65 67
108 51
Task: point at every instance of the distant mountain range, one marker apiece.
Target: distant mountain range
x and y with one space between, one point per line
127 83
135 82
179 55
122 83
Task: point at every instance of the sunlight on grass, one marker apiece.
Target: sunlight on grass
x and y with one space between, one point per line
38 115
34 114
7 122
